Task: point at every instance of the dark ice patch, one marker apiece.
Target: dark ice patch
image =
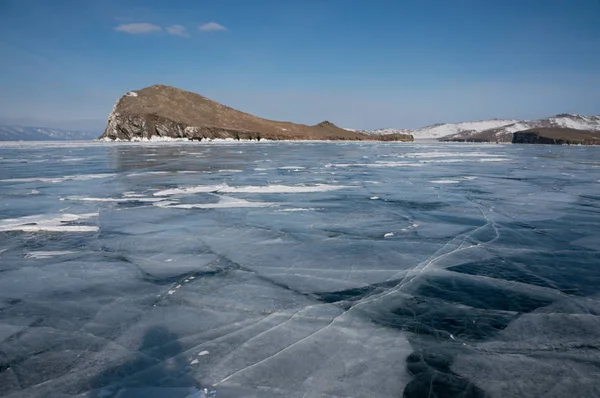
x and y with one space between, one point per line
413 205
426 316
432 377
571 272
434 384
479 295
355 294
166 281
159 362
500 269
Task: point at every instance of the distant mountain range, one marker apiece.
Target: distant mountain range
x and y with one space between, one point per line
494 129
27 133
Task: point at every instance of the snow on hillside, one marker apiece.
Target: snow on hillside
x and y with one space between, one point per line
499 127
513 128
444 129
577 122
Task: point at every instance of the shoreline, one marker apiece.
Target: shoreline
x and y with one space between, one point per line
231 141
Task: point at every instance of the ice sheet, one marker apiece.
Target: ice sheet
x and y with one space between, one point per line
313 270
49 222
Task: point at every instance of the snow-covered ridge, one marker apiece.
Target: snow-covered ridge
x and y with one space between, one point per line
499 127
579 122
504 133
445 129
28 133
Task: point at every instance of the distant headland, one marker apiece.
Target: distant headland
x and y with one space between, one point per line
165 112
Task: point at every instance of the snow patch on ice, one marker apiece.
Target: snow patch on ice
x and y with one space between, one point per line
464 160
299 209
377 164
147 172
224 203
189 190
118 200
47 254
72 159
132 194
284 188
165 203
493 160
80 177
48 222
251 189
450 154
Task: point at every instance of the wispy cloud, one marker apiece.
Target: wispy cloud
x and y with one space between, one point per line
177 30
140 28
211 27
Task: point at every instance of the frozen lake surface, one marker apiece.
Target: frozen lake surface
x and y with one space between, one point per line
299 270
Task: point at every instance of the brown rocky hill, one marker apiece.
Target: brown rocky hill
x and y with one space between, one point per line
557 136
164 111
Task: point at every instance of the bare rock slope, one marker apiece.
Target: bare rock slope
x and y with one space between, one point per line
168 112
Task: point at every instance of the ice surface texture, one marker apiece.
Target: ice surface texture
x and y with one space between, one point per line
299 270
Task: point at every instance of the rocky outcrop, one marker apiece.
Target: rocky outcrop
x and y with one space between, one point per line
557 136
167 112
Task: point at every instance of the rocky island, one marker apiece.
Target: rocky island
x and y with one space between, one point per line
165 112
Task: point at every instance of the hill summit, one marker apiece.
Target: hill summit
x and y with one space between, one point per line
167 112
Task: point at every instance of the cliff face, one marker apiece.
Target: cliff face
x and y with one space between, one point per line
163 111
557 136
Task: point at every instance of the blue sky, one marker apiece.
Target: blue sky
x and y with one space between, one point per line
358 63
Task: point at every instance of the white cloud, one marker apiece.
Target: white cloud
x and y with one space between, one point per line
178 30
211 27
139 28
